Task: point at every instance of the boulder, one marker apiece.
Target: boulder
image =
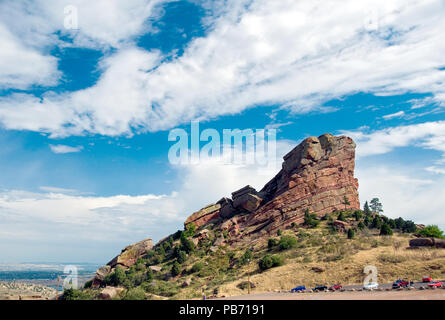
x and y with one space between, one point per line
102 272
421 242
155 268
246 198
187 283
341 226
227 210
109 293
439 243
219 241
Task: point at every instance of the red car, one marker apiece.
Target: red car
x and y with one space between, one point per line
335 287
427 279
401 283
435 284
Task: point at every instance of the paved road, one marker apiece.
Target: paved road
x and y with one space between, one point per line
416 285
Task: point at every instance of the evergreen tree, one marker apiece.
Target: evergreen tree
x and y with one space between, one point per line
357 215
367 221
377 222
366 209
376 206
361 225
346 202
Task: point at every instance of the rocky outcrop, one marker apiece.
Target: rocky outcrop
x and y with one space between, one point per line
205 215
131 254
316 175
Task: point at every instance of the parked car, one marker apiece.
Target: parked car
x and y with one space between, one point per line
435 284
371 285
427 279
320 288
298 289
401 283
335 287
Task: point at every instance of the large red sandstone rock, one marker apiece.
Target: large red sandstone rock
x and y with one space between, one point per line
315 175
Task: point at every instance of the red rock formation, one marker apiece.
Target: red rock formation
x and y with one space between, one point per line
316 175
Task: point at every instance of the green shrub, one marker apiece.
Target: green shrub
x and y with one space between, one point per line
310 220
116 278
279 232
176 269
361 225
246 257
377 222
272 243
287 242
182 257
198 266
385 230
135 294
270 261
431 231
351 234
187 245
341 216
358 215
409 227
88 284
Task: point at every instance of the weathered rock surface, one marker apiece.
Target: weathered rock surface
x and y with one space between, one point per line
316 175
205 215
131 254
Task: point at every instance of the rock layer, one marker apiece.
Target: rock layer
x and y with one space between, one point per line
316 175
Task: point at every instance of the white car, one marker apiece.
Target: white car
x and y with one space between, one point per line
371 285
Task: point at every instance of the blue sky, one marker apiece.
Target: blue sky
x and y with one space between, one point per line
85 113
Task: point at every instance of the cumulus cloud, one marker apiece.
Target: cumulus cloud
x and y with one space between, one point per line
295 54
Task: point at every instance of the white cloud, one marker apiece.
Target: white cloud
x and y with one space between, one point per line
428 135
394 115
28 30
22 66
297 54
60 148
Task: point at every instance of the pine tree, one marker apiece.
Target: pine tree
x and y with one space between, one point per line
376 205
366 209
346 202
